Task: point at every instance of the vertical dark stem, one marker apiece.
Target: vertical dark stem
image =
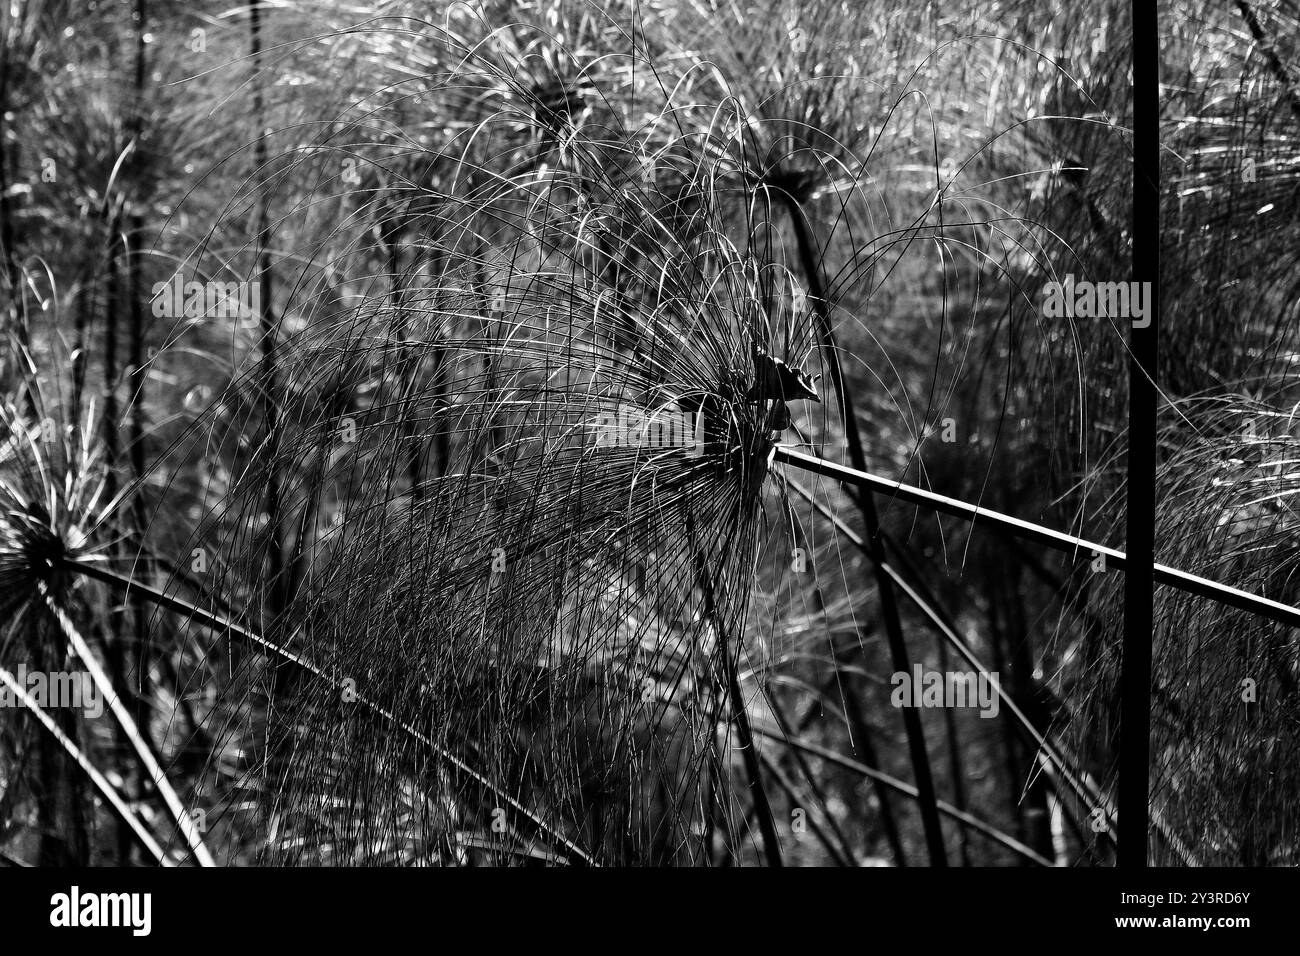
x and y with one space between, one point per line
1139 575
64 840
392 230
136 361
409 438
954 759
442 435
109 423
834 838
713 766
135 344
438 417
762 807
863 739
1010 733
828 839
739 716
866 502
843 681
1037 831
123 654
80 321
8 251
277 596
118 632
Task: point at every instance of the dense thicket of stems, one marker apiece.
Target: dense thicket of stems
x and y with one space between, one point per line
393 570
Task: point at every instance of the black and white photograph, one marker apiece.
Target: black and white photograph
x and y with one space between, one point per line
650 434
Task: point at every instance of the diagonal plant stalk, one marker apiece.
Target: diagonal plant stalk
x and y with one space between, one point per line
1060 793
218 623
828 841
845 850
712 803
1083 788
812 268
740 716
947 809
961 817
948 631
100 782
862 734
858 726
478 841
184 822
1269 48
1057 540
1049 754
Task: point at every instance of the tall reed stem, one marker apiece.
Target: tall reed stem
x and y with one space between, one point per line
277 596
1140 511
223 625
184 822
1056 540
811 263
115 802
